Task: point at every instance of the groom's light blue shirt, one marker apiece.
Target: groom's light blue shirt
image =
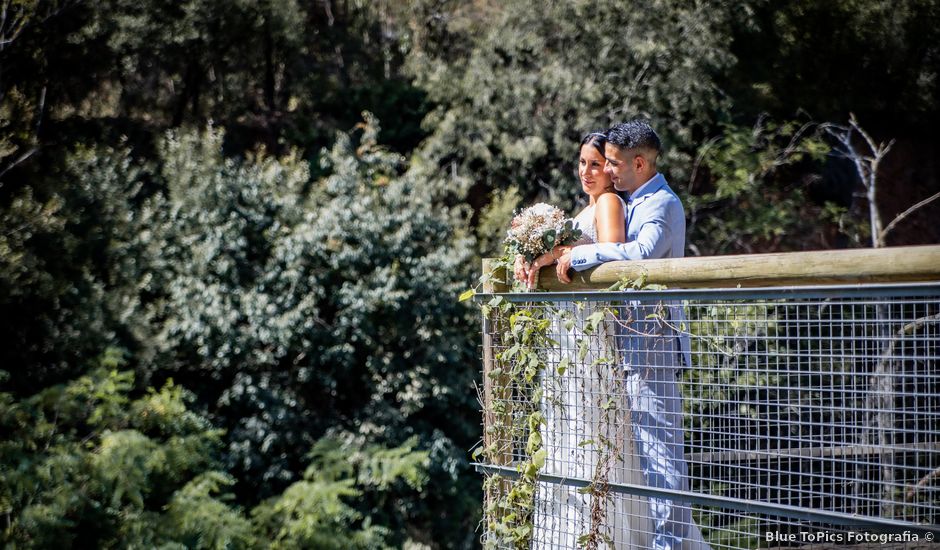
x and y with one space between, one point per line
655 223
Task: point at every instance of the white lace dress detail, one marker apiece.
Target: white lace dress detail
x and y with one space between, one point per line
588 433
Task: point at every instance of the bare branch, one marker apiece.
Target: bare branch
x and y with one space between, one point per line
60 8
41 110
23 157
792 148
629 93
924 481
897 219
701 157
19 160
10 30
875 149
866 165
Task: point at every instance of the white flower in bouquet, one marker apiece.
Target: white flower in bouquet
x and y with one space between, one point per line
539 228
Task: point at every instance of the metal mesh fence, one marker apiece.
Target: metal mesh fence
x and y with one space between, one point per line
712 418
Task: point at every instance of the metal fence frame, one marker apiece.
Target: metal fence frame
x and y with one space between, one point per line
829 519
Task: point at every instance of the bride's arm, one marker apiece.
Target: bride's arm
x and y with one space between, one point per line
609 219
520 269
545 259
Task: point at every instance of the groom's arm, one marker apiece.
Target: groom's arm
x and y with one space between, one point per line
653 241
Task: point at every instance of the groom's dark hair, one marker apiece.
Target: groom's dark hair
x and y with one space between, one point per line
634 134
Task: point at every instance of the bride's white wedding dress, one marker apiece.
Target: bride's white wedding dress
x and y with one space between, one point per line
588 434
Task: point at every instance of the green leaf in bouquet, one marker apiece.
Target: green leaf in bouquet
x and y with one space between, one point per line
548 238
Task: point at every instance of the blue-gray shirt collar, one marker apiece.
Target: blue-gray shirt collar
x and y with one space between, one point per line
654 184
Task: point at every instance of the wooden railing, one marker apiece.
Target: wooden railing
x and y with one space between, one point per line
850 266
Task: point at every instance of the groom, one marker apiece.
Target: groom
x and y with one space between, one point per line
651 351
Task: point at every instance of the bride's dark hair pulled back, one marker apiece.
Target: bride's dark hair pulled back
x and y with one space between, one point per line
597 139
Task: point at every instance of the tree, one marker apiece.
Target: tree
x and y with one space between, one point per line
866 157
278 73
71 277
295 307
749 190
792 56
84 461
292 307
90 463
521 86
21 110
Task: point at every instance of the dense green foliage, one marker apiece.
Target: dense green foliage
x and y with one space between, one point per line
205 187
513 105
290 296
87 463
515 88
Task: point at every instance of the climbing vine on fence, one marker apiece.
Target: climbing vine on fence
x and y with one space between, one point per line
518 417
518 379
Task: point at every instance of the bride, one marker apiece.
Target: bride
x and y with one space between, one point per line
588 433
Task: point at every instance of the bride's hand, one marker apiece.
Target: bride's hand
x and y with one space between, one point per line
520 270
539 263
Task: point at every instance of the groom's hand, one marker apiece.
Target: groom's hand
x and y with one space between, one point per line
564 265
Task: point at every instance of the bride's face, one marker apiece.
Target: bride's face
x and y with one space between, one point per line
594 181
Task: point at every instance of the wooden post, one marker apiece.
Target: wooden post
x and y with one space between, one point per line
492 392
498 280
497 415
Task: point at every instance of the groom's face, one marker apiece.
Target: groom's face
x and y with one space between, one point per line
620 166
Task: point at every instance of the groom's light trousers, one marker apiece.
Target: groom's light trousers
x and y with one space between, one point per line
652 361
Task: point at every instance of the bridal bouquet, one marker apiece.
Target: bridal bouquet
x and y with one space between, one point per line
537 229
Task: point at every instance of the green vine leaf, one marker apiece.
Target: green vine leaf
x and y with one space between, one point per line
582 349
535 442
466 295
594 321
536 419
537 396
563 365
510 353
538 458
